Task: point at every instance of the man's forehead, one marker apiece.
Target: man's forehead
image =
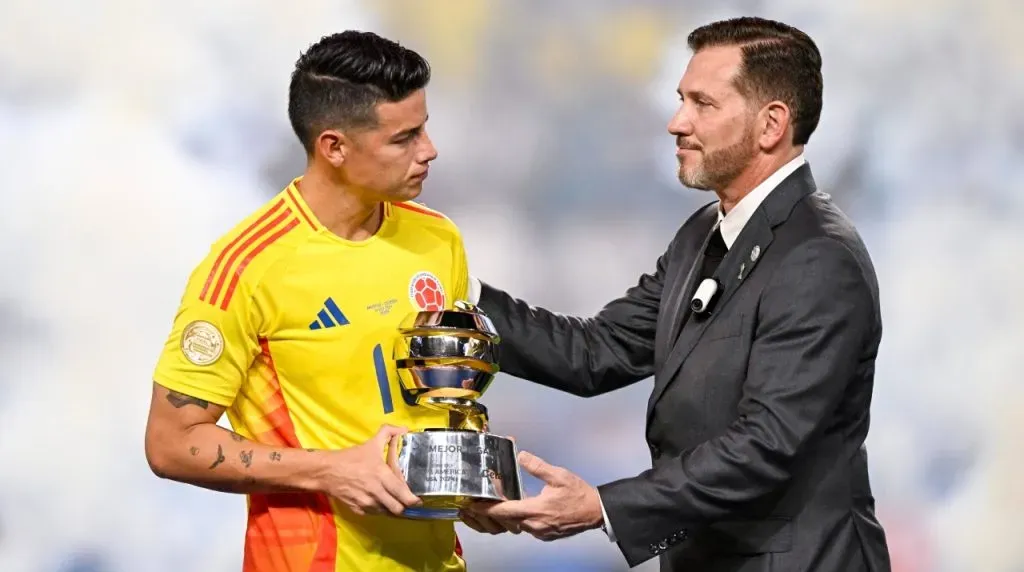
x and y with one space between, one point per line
711 68
403 114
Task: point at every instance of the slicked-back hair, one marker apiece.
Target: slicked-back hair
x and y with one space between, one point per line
780 63
338 82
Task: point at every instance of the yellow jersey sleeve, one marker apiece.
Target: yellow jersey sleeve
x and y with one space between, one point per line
214 339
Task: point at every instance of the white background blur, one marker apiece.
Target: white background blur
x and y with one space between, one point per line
135 132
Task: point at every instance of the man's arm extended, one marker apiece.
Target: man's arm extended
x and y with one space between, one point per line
584 356
184 443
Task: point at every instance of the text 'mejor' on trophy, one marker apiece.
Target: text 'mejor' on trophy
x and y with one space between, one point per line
445 360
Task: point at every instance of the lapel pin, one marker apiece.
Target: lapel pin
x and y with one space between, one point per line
755 253
742 266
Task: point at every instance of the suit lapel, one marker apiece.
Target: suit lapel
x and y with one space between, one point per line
683 279
741 260
736 267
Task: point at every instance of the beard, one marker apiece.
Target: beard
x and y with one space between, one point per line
719 167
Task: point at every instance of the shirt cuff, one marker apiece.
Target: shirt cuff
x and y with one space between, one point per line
473 292
607 527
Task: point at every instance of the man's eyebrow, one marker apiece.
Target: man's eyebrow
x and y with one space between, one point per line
414 128
694 94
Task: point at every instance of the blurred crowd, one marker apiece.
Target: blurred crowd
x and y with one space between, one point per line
135 132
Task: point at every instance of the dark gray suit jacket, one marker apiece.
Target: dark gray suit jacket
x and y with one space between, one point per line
759 413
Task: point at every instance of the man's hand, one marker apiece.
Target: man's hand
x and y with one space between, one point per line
566 506
482 523
361 478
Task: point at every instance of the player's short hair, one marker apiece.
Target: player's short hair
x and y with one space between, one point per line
338 82
780 63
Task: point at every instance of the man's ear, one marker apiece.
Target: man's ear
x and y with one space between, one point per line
775 119
333 145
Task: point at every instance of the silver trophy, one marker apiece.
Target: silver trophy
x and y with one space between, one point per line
445 360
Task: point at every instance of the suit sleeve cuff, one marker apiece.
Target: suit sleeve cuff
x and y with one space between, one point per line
473 292
607 526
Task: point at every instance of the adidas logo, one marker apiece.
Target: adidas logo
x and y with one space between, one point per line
328 316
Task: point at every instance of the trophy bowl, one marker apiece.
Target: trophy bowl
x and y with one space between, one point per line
447 353
446 360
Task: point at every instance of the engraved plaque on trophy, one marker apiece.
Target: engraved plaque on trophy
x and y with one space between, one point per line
445 360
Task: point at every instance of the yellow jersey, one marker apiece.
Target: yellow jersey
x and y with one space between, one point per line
292 329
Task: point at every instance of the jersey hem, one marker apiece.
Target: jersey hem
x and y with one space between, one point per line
192 390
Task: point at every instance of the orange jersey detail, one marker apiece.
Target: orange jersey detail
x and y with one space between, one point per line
418 208
285 531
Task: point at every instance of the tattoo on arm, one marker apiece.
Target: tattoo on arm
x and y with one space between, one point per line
275 456
246 457
179 400
237 437
220 457
194 451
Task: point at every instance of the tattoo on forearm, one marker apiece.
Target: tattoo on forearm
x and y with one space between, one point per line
220 457
194 451
179 400
246 457
310 450
237 437
275 456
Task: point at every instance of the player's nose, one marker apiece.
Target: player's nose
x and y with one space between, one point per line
429 150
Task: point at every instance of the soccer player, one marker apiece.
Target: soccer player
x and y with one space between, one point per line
288 326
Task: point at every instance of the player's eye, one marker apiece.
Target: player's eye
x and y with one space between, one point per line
407 137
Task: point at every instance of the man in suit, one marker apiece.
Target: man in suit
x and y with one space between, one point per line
760 408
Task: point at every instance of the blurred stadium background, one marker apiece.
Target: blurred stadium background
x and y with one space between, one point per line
134 132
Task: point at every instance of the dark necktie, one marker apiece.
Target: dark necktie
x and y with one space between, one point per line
713 254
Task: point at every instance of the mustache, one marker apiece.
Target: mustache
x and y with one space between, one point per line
681 144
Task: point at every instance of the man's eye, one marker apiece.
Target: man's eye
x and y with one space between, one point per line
406 138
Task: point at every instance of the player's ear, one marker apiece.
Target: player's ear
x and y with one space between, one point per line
332 145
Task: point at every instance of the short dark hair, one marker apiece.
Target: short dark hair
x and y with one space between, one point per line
338 82
780 63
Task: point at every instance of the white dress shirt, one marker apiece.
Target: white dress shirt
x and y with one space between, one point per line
730 224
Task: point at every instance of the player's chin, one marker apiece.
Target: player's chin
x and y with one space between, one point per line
410 191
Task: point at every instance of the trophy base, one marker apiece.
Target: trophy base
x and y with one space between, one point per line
451 469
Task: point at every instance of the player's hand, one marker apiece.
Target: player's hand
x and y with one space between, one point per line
361 478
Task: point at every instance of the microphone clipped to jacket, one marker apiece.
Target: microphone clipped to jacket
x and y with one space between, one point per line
704 295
